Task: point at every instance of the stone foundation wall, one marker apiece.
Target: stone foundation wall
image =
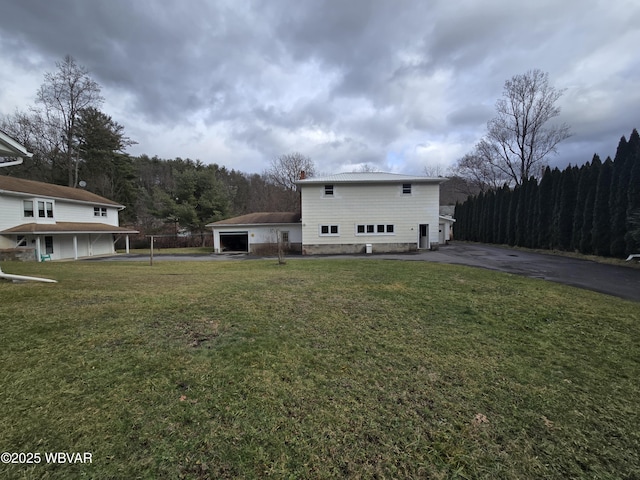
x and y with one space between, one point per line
272 248
18 254
357 248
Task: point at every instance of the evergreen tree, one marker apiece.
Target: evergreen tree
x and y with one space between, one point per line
584 177
545 209
512 215
586 239
632 235
601 213
619 197
566 208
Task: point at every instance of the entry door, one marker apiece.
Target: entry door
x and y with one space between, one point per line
424 236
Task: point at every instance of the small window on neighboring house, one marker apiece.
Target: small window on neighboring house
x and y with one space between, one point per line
49 206
328 189
41 212
284 236
99 212
28 208
406 188
21 241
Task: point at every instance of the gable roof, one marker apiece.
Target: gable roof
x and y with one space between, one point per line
260 218
370 177
21 186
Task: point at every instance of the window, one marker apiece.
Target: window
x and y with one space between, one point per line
328 190
329 230
406 189
28 208
49 207
284 237
21 241
41 209
48 245
99 211
378 229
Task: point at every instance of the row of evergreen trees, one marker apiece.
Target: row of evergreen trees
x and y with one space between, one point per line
593 209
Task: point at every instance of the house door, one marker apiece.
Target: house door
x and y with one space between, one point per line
424 236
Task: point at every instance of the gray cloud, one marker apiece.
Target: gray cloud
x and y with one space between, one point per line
394 84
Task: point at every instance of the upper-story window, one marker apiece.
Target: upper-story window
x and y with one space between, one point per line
45 209
99 211
28 208
406 189
328 190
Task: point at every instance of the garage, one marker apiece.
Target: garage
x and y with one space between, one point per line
234 241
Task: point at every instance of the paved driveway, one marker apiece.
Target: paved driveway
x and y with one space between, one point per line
619 281
614 280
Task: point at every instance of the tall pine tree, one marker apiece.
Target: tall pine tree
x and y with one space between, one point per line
601 213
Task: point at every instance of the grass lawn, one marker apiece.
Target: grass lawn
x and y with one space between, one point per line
316 369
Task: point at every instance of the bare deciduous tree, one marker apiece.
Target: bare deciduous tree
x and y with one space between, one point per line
479 171
63 95
519 138
285 170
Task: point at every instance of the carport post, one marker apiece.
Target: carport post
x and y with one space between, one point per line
151 253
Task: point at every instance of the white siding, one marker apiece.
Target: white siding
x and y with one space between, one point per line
353 204
12 215
259 234
77 212
12 212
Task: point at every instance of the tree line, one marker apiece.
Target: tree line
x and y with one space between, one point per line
74 143
592 209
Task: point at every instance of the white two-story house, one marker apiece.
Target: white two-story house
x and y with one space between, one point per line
370 212
55 222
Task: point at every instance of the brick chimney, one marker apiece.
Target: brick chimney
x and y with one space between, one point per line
303 174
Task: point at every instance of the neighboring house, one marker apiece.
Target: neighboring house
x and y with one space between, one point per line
257 233
370 212
56 222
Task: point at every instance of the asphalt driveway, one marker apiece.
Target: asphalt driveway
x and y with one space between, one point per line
619 281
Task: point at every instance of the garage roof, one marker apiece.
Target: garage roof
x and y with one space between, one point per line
260 218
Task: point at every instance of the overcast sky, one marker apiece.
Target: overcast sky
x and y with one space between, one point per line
396 84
